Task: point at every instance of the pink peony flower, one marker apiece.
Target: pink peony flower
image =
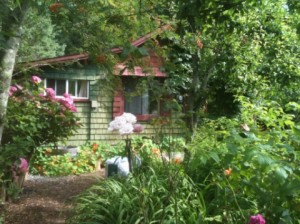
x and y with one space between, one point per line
257 219
11 90
138 128
23 165
50 92
35 79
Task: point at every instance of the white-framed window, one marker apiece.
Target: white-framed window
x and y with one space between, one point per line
76 88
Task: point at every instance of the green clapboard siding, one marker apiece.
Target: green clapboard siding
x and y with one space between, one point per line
94 121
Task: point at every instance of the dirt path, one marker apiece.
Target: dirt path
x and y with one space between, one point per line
47 200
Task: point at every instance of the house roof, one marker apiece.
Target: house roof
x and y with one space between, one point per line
143 39
84 56
60 59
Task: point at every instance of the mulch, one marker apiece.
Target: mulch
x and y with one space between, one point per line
48 200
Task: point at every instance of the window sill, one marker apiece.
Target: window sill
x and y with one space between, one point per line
148 117
81 100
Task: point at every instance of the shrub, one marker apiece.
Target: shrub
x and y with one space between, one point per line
249 168
34 118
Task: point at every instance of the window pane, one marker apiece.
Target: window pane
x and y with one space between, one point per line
145 103
82 88
50 83
153 105
72 87
60 87
135 103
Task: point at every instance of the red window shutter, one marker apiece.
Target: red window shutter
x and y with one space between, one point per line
118 104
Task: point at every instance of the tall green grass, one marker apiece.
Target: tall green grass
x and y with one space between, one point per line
154 196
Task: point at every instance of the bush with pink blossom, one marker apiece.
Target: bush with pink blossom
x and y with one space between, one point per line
35 117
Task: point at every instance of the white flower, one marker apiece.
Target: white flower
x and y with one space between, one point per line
130 118
124 124
126 129
117 123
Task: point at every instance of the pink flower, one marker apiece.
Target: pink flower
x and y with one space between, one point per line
68 102
23 165
257 219
72 108
137 128
50 92
35 79
11 90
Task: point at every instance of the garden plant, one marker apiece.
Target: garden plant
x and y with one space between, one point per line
242 169
34 118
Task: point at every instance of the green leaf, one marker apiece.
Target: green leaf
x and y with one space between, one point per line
263 159
281 174
214 156
143 51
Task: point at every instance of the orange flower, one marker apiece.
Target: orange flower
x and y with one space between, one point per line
55 6
156 151
199 43
227 172
95 146
40 168
177 160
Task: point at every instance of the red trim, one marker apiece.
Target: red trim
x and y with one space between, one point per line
81 100
62 59
143 39
118 103
145 117
138 71
85 56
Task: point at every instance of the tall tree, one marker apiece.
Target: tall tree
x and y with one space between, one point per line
233 47
40 39
12 18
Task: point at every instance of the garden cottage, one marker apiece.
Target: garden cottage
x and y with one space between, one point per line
84 80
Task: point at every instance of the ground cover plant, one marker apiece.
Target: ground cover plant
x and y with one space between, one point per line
49 161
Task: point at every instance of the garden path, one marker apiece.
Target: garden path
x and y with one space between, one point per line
47 200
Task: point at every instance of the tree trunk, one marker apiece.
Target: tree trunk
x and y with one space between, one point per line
197 95
193 93
11 31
